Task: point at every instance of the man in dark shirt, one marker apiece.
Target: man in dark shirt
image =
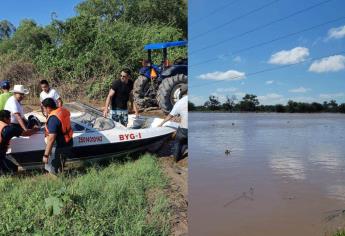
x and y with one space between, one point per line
7 132
58 131
118 97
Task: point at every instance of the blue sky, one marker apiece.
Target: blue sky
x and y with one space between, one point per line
38 10
229 73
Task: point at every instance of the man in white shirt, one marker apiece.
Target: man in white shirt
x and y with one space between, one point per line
48 92
181 109
13 104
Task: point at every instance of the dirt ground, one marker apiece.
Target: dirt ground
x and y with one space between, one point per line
177 189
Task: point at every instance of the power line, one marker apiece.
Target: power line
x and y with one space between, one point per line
214 11
272 69
271 41
262 26
235 19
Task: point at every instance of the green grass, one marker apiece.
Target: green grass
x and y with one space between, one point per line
120 199
339 233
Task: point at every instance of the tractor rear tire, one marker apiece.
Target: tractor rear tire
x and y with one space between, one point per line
140 87
168 90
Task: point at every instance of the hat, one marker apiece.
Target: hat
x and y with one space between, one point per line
18 88
5 84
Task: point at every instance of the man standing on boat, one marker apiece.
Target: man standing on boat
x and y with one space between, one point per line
58 131
48 92
7 132
118 97
180 108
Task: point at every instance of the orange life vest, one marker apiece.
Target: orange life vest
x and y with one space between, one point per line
2 126
64 117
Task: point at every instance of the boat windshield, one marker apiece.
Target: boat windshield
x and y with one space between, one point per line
89 116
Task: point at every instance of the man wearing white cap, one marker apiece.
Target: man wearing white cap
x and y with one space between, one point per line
15 107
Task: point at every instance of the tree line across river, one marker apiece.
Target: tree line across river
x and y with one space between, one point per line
250 103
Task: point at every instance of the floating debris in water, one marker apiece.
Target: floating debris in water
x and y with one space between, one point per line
232 123
247 196
227 152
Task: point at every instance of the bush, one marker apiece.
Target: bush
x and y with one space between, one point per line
82 53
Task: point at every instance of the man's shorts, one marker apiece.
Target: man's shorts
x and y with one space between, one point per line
119 115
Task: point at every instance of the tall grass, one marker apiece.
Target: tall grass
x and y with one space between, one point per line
339 233
121 199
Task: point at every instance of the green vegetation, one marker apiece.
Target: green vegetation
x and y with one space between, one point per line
250 103
339 233
83 54
121 199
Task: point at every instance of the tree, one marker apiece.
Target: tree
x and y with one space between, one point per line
249 102
316 107
333 106
27 41
229 104
191 106
6 29
84 53
279 108
212 103
341 108
291 106
138 12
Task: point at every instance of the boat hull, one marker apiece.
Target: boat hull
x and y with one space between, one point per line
84 154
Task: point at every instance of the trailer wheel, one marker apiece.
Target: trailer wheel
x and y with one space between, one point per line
169 91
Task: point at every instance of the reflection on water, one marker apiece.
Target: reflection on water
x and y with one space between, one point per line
288 167
295 163
337 192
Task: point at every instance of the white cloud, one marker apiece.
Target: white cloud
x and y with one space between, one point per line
269 81
223 93
226 75
221 97
331 95
237 59
239 95
336 33
272 99
197 100
226 90
328 64
299 90
286 57
304 99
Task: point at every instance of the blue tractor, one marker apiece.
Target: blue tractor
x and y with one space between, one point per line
159 85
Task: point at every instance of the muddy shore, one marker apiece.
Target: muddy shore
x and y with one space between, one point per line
177 189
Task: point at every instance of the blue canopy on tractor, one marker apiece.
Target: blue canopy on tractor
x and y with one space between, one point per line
153 46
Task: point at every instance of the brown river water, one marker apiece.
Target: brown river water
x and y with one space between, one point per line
285 174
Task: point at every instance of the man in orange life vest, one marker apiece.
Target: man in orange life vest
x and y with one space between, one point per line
58 131
7 132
